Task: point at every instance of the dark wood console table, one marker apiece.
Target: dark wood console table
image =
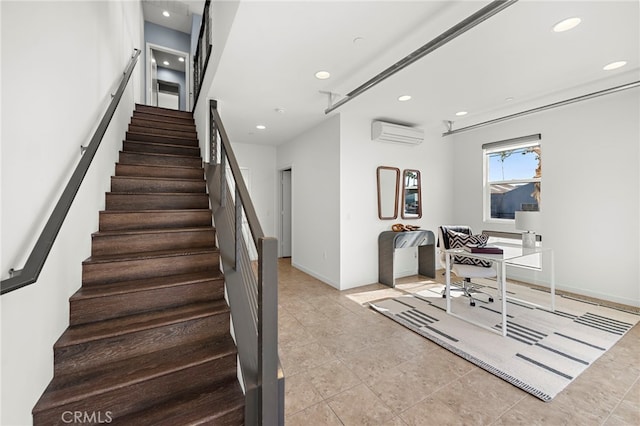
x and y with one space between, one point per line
389 241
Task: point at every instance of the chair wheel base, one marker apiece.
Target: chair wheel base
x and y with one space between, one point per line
444 296
491 299
472 303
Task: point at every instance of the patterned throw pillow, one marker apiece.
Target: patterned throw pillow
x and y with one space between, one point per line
460 239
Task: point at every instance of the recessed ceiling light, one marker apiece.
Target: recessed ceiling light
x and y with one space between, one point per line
153 60
261 127
181 59
166 62
323 75
614 65
404 98
166 13
461 113
566 25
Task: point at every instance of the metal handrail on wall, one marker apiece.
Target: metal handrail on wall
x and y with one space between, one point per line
253 298
36 260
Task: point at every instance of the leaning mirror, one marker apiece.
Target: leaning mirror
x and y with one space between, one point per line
411 198
388 191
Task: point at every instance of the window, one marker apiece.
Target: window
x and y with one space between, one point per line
513 173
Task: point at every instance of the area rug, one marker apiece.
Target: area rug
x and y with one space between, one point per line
543 352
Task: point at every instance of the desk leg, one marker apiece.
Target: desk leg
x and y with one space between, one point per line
553 282
447 274
503 291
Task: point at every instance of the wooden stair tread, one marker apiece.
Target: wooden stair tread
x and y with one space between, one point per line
66 388
134 232
203 406
163 111
163 155
157 211
160 137
168 166
131 286
167 145
130 324
156 178
148 255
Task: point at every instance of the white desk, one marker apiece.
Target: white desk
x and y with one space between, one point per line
514 255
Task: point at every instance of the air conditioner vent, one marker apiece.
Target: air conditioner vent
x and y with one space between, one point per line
389 132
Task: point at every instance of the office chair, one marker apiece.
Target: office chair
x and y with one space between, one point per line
471 268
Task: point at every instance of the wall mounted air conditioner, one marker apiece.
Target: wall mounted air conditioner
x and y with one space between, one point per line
389 132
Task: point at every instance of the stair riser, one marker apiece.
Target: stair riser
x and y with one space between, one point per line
156 201
122 401
134 146
123 244
171 140
101 308
187 121
152 122
163 132
109 272
159 160
163 112
115 220
142 185
159 171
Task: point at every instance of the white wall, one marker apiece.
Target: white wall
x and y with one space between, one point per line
590 190
360 226
57 76
260 161
314 159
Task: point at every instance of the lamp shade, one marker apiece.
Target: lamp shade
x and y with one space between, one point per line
528 221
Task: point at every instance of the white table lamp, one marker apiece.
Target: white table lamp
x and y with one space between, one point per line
529 222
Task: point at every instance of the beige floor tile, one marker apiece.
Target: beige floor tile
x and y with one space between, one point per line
332 341
319 414
359 406
300 394
531 411
297 359
332 378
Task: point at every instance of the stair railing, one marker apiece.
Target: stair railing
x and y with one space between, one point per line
249 262
35 262
203 51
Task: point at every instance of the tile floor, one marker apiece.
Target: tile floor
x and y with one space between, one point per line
347 365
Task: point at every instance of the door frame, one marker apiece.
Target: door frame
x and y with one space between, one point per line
187 72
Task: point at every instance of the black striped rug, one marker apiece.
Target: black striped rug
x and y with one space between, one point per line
543 352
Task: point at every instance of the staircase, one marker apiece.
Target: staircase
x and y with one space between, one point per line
148 341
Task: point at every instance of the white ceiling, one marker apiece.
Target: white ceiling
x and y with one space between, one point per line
275 48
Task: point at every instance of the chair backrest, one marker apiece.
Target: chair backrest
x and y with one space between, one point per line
443 238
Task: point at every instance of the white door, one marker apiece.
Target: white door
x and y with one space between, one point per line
285 214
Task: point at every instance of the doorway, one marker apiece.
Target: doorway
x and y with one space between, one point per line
285 213
168 82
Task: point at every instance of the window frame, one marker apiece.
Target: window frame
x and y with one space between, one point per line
492 148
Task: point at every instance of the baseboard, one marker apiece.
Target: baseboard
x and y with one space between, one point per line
316 275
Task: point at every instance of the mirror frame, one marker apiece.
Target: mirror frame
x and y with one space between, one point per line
406 215
396 195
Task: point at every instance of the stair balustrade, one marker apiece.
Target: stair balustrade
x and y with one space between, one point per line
249 263
203 51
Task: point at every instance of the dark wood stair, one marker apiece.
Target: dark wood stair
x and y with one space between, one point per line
149 337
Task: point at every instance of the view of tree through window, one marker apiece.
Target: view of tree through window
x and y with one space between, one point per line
513 178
